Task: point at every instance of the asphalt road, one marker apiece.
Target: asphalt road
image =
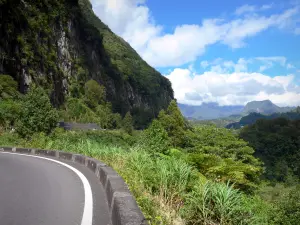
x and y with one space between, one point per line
37 191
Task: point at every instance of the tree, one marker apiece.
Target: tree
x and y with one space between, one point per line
155 138
105 115
174 124
94 94
117 120
127 123
37 114
218 154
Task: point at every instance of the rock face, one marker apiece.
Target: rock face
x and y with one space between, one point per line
60 44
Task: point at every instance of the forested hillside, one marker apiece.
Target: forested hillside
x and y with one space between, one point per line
277 143
60 45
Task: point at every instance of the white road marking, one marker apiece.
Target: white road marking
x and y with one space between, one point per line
87 217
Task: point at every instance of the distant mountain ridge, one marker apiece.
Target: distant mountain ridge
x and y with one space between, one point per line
253 117
265 107
209 111
212 110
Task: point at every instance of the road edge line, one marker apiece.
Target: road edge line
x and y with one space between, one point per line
87 215
122 205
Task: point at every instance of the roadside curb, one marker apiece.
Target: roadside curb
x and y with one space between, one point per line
122 206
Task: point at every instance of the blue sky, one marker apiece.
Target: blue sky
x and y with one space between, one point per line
229 52
268 43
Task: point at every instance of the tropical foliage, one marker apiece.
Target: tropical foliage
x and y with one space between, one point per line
36 114
277 143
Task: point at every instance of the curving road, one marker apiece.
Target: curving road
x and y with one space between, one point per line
42 191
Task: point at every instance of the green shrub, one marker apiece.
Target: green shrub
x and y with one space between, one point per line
10 139
94 94
127 123
256 211
289 208
37 114
77 111
155 139
9 113
218 154
8 87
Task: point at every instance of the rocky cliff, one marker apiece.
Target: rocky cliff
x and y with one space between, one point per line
60 44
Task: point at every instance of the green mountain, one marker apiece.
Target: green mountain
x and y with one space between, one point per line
253 117
60 45
215 113
264 107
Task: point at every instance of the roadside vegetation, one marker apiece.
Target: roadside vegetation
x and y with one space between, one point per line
179 174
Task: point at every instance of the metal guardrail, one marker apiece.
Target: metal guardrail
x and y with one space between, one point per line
79 126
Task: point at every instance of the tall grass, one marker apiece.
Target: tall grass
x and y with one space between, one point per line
167 189
212 203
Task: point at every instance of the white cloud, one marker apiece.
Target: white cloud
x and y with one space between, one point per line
204 64
290 66
266 7
249 26
233 88
220 65
276 59
268 62
131 19
241 65
246 9
263 68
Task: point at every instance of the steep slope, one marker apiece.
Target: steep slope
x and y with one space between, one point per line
60 44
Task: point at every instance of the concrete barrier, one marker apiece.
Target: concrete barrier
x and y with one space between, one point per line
122 205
